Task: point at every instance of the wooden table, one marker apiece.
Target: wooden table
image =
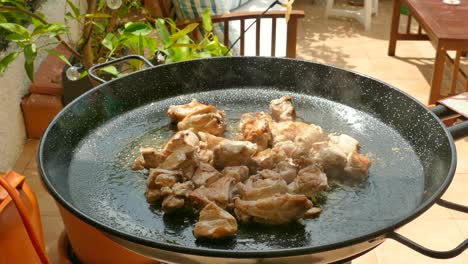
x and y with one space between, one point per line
446 26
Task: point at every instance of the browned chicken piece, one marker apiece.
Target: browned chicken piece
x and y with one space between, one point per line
344 142
158 179
240 173
262 189
297 132
205 175
183 189
234 153
215 223
283 170
183 141
179 112
207 143
187 163
149 158
329 157
268 158
282 109
277 209
219 192
291 150
312 213
172 203
255 127
309 181
357 166
210 122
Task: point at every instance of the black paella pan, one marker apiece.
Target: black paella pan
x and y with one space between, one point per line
86 153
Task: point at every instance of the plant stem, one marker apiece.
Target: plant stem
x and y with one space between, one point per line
26 12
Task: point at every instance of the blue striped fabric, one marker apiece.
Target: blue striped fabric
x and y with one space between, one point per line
190 9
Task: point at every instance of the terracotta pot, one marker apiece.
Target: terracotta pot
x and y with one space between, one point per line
92 246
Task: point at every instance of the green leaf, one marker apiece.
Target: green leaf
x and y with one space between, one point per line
141 49
75 9
83 74
111 70
29 67
2 19
101 4
97 15
7 60
15 37
69 15
59 55
183 32
15 28
206 19
30 53
109 41
137 28
163 33
151 44
37 22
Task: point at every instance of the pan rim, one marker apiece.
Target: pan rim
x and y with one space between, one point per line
222 253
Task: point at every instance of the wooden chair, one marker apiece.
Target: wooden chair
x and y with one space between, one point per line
244 18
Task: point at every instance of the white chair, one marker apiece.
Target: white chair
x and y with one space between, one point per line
363 15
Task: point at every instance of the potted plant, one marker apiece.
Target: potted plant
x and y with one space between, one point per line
110 28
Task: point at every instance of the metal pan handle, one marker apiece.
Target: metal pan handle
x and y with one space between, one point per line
457 131
429 252
128 57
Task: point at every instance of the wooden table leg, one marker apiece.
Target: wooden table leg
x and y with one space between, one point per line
394 28
437 74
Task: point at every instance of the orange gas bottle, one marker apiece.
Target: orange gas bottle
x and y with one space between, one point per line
21 238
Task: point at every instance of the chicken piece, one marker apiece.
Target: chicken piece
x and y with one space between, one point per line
183 141
207 143
344 142
171 203
332 158
282 170
357 166
211 122
158 179
219 192
255 127
262 189
183 189
282 109
268 158
185 162
139 163
179 112
149 158
205 175
297 132
277 209
309 181
290 150
234 153
214 223
312 213
240 173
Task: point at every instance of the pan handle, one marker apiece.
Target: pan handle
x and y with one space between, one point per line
457 131
124 58
429 252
